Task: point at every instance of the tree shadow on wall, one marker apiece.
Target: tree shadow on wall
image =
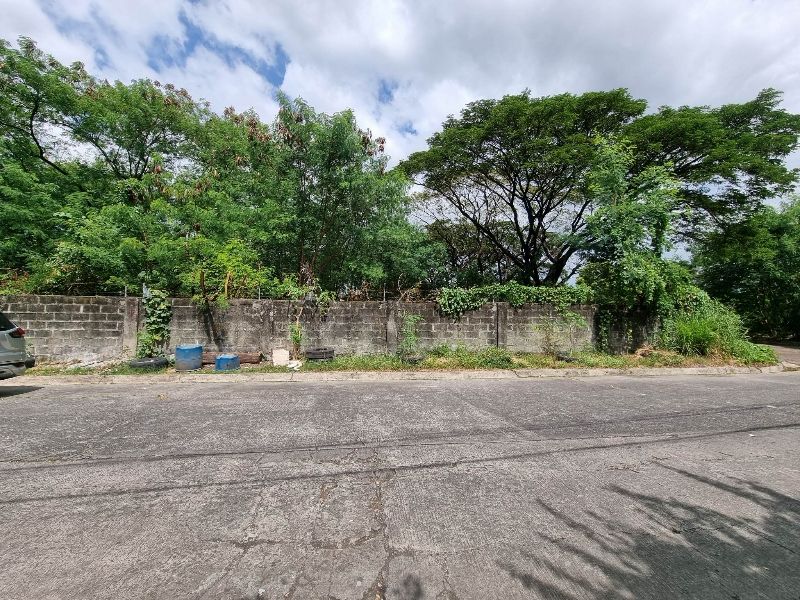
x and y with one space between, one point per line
675 550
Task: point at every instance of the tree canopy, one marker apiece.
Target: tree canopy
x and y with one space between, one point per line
109 185
523 164
754 265
106 185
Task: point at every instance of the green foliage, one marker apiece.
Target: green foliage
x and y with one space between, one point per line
628 232
633 214
454 302
168 194
690 334
727 159
28 212
468 258
408 344
153 339
754 266
640 283
339 202
487 166
527 165
107 185
231 271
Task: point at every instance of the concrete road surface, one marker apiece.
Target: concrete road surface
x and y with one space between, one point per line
670 487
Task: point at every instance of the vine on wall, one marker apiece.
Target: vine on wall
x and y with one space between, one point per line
454 302
153 339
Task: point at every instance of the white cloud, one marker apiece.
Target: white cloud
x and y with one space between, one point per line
439 54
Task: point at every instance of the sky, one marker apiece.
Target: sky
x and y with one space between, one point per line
404 66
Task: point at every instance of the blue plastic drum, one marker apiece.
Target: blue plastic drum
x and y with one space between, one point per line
227 362
188 357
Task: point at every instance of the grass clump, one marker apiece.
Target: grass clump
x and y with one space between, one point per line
444 357
371 362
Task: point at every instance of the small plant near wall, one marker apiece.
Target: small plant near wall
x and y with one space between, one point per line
152 340
296 337
408 346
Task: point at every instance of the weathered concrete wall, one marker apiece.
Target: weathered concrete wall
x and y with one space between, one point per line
75 328
64 328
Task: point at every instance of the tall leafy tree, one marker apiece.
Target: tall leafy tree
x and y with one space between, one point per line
523 162
520 164
336 192
754 266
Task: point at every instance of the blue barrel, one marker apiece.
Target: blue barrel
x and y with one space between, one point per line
227 362
188 357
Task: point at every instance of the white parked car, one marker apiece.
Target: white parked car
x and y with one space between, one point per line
13 359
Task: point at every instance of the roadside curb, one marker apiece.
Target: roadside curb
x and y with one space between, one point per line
333 376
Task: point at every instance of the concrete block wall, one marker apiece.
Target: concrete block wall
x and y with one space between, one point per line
261 325
75 328
373 327
90 329
527 327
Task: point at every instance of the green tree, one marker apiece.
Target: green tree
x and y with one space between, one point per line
28 212
754 266
471 258
335 193
520 163
524 163
627 233
728 159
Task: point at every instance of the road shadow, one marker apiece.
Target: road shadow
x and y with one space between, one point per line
7 391
745 545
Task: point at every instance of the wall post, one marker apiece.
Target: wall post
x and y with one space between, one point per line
500 323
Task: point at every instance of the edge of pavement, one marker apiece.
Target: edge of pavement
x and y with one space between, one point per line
323 376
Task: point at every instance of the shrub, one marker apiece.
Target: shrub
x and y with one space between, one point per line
751 353
153 340
710 328
692 334
495 358
296 338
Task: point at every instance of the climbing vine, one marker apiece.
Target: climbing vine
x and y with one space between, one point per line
152 340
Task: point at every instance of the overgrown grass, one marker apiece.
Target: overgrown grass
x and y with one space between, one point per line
713 330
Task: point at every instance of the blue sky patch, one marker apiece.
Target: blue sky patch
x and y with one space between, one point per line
407 128
165 52
386 91
84 30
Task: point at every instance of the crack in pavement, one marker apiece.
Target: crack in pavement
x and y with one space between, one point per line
428 439
396 468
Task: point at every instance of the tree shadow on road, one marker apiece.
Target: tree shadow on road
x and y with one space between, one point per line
7 391
744 544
